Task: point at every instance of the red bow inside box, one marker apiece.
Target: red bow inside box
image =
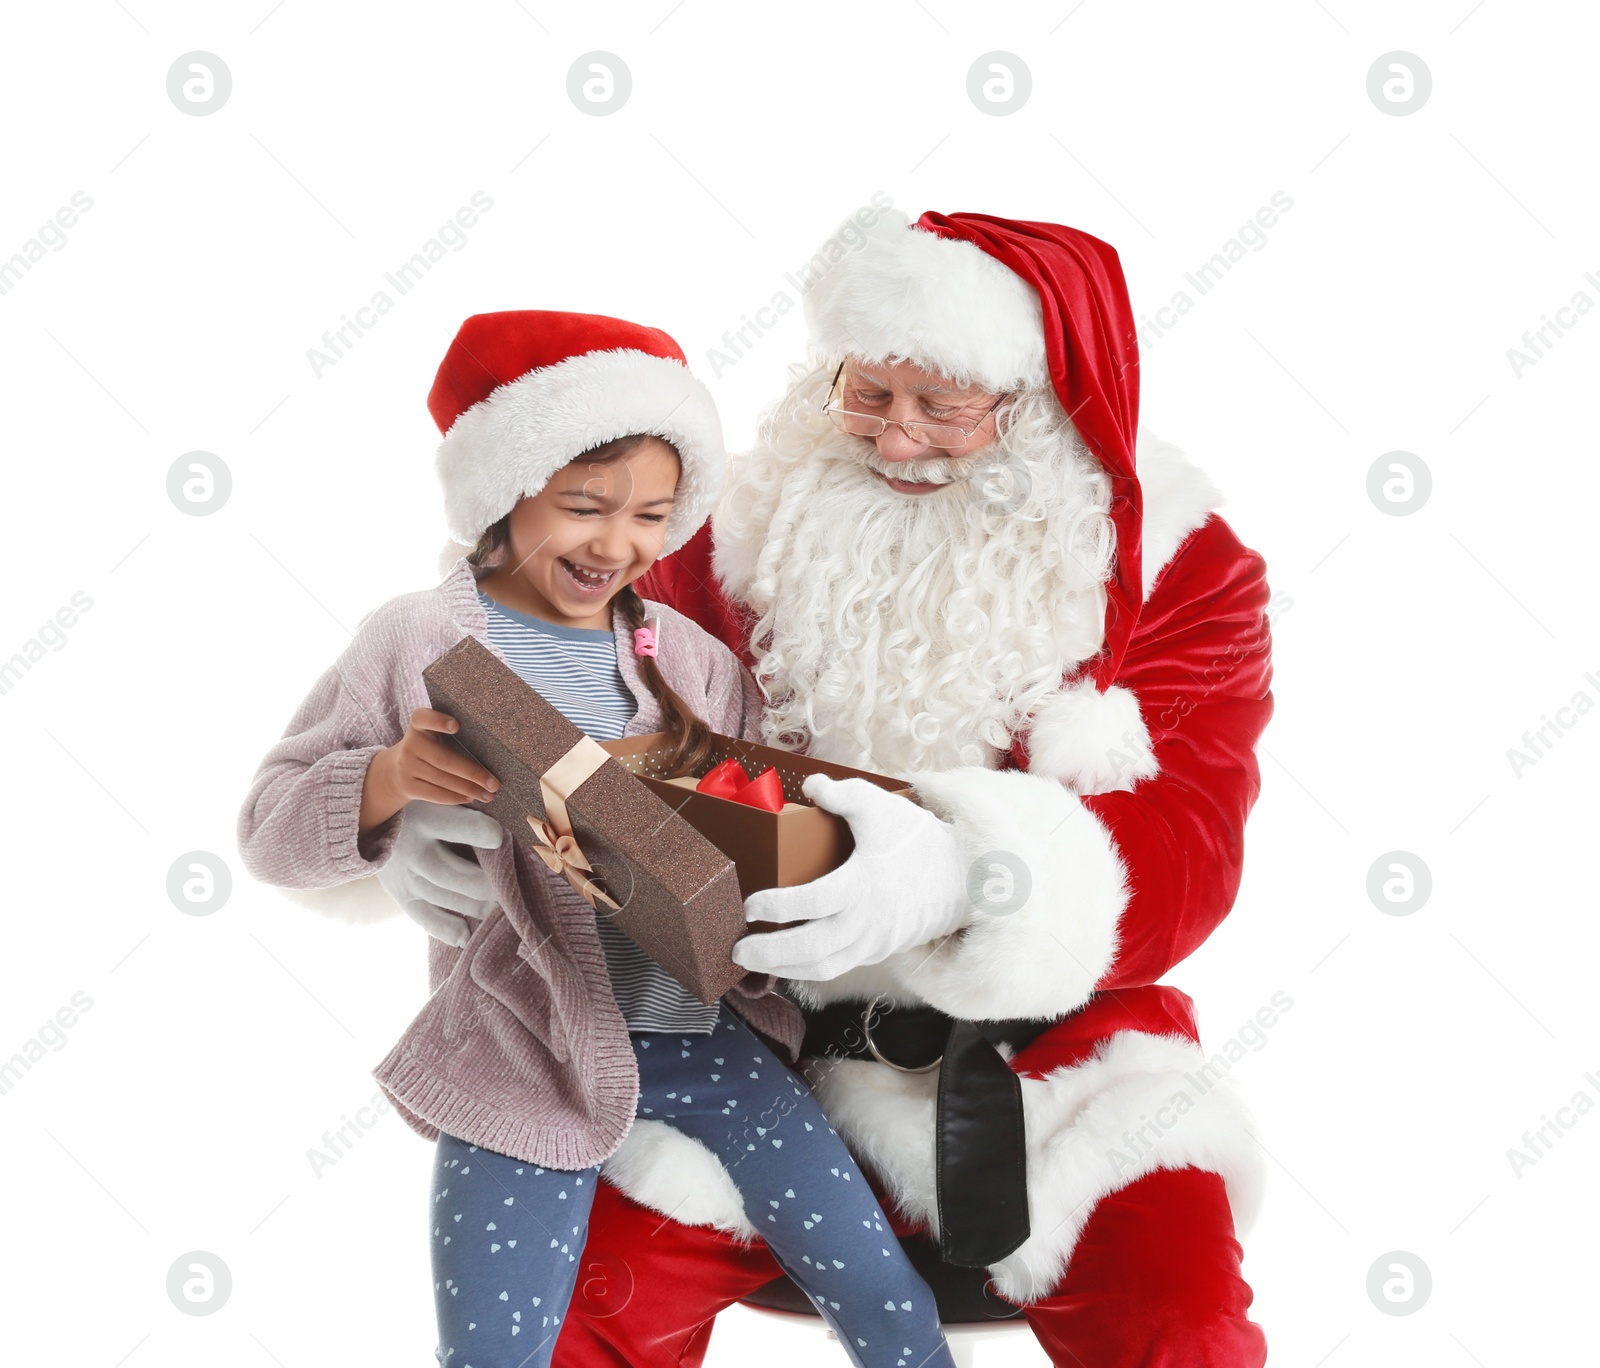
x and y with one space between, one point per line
729 780
775 838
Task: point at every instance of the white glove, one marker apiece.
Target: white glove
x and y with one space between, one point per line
426 878
904 884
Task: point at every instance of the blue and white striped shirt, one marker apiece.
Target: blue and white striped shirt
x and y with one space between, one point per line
575 670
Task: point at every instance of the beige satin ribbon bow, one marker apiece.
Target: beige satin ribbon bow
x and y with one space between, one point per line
558 847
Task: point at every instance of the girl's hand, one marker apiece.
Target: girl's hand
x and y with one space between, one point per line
421 766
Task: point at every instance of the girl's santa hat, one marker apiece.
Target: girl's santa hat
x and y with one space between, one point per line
521 393
1005 304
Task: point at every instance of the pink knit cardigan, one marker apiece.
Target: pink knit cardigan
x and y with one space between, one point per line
520 1047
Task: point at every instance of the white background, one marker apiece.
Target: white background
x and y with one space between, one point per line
178 1113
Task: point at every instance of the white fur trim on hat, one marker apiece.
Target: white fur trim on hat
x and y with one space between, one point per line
942 303
510 444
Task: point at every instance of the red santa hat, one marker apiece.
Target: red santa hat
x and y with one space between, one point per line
521 393
1005 304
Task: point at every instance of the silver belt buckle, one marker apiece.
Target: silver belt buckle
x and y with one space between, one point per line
866 1030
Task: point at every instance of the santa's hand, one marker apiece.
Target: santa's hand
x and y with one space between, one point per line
903 885
441 891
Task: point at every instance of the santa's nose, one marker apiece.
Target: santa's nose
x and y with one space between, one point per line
895 445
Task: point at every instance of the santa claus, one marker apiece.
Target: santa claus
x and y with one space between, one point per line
949 558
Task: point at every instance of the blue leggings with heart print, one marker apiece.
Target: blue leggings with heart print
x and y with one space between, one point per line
508 1236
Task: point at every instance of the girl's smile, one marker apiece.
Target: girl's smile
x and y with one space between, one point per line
589 580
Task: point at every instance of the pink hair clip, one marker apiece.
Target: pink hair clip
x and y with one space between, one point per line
644 640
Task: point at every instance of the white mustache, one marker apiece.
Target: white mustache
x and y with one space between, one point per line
936 470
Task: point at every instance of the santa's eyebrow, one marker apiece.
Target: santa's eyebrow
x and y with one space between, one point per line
928 388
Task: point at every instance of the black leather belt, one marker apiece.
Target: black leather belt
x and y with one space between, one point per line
981 1146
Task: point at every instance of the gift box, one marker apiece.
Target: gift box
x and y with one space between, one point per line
800 843
665 885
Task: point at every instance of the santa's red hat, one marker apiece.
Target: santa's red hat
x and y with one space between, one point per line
520 394
1008 305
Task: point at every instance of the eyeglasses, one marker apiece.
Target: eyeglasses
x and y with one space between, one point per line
930 434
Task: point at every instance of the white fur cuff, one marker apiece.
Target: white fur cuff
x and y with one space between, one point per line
1050 933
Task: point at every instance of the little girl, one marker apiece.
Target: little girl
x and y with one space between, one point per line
577 450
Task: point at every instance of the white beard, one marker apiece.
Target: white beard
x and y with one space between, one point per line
907 633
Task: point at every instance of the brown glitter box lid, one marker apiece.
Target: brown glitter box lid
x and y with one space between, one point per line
678 893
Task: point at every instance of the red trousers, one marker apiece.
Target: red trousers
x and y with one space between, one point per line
1153 1282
